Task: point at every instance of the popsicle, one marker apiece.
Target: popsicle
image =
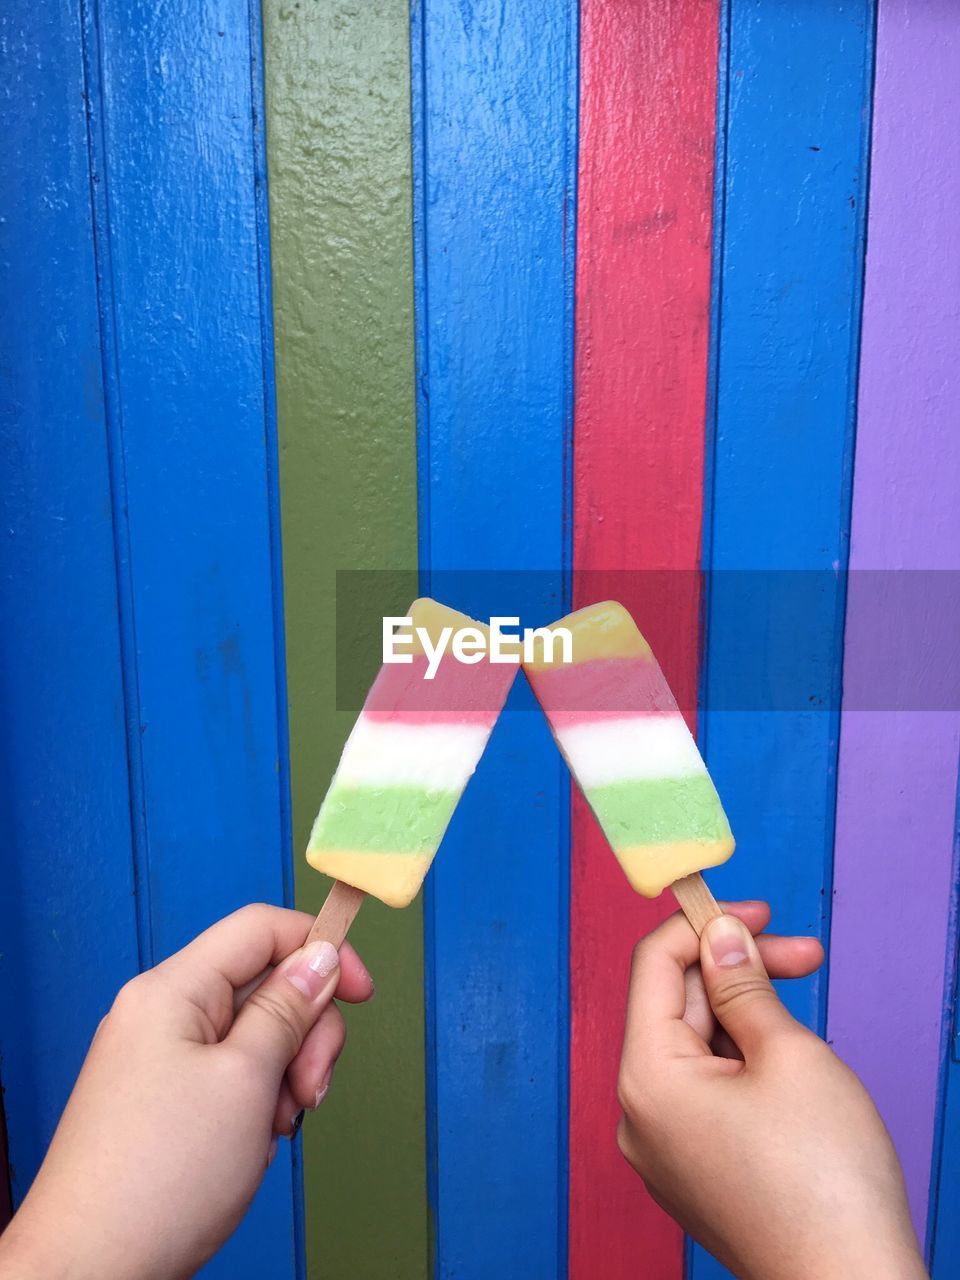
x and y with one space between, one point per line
620 731
409 756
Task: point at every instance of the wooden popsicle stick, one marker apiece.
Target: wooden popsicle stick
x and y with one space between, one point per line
337 914
696 901
344 901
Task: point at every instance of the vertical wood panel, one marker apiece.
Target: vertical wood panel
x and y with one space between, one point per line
898 751
943 1229
68 921
6 1207
494 120
787 333
180 237
338 97
149 793
646 158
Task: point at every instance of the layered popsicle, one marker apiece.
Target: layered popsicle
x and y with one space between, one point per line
619 729
409 756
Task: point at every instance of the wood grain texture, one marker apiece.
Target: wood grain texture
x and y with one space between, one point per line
647 131
145 508
6 1204
494 122
337 914
793 194
943 1224
696 901
898 757
183 242
68 919
338 119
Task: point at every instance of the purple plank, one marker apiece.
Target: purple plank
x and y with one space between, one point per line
898 754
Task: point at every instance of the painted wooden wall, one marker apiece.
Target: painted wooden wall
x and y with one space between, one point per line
647 141
144 778
338 125
645 298
900 736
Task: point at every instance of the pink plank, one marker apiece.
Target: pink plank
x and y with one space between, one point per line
898 760
648 85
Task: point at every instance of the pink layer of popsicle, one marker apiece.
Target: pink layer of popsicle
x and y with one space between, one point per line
459 692
603 689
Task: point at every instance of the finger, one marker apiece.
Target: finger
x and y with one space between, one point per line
242 945
286 1113
782 957
657 995
355 985
274 1021
738 987
785 957
310 1073
755 915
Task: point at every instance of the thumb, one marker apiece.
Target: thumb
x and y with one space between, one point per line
275 1018
738 987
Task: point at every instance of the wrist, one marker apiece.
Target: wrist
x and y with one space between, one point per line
39 1246
22 1259
873 1259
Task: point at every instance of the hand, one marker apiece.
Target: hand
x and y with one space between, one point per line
198 1066
744 1125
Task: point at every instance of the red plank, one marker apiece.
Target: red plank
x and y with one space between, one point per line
647 133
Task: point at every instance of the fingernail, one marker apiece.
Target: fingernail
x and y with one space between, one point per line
272 1152
324 1088
727 940
297 1122
311 969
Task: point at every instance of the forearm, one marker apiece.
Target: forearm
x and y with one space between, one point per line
843 1251
35 1251
870 1259
49 1240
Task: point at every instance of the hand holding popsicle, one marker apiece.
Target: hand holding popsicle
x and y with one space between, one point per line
798 1176
197 1069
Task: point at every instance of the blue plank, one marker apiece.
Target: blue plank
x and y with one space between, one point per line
494 131
792 185
943 1224
177 128
68 918
144 745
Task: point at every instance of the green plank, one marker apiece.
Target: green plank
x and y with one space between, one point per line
338 138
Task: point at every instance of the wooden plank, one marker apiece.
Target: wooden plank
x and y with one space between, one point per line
646 157
176 125
943 1224
68 919
790 265
899 745
942 1236
6 1204
494 126
338 114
